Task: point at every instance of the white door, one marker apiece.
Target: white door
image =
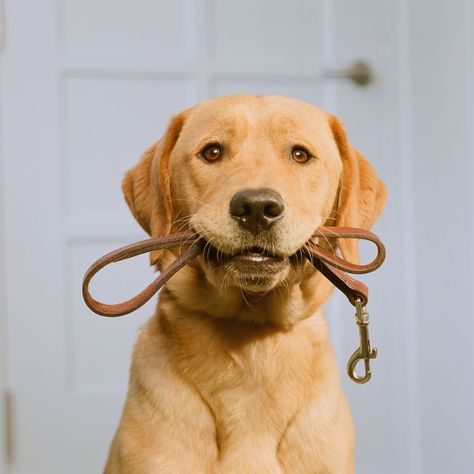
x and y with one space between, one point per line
87 85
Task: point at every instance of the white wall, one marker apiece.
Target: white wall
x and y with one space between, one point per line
442 78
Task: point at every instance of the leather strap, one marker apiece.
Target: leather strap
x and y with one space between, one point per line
329 257
334 267
170 241
327 262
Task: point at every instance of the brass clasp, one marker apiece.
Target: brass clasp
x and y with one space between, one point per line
363 352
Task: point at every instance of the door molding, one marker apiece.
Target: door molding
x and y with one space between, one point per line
404 121
3 303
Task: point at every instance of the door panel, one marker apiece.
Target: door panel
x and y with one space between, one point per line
266 31
107 123
118 27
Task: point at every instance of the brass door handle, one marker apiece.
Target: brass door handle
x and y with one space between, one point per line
359 73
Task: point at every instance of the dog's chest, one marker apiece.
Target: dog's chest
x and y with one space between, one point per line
258 396
255 389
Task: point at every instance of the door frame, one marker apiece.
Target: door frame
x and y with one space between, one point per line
3 313
4 356
410 361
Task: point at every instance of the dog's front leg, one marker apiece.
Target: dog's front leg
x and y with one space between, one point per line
157 439
320 439
166 427
250 457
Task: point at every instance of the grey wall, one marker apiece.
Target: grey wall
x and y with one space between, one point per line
442 78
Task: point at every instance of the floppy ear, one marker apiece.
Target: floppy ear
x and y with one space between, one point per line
362 194
146 186
139 194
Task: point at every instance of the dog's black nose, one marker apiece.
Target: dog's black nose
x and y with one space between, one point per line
256 209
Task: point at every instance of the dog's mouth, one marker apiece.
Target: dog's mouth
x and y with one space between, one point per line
248 261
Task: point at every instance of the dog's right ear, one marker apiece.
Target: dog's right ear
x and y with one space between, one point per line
146 186
136 185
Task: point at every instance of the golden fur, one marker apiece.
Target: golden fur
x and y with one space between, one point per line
232 374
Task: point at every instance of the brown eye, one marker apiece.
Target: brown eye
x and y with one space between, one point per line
300 155
211 152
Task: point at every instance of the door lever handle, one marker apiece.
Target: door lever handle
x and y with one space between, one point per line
359 73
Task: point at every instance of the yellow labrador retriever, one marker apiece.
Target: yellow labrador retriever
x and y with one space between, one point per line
235 372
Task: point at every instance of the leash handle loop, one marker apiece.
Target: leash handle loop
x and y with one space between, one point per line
184 239
334 268
332 259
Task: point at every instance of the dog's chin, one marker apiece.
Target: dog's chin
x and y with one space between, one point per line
255 273
253 270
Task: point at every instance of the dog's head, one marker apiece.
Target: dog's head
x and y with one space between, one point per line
254 176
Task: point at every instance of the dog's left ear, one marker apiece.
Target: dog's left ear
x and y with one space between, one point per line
362 194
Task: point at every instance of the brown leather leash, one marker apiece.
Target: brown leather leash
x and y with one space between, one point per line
333 267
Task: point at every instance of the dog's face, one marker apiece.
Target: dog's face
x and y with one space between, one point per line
255 177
